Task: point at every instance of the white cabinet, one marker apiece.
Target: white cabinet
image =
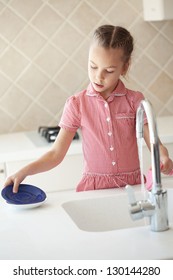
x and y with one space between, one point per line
63 177
155 10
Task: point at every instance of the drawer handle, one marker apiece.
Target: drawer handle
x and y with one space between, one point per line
1 170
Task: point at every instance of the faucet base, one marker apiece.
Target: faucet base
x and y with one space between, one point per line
159 219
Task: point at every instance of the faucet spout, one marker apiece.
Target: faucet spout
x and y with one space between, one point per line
145 106
156 205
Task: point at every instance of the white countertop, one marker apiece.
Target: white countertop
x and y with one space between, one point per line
47 232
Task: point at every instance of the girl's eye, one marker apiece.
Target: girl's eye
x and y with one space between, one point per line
109 71
93 67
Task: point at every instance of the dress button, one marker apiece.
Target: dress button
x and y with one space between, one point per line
108 119
106 105
109 133
111 148
113 162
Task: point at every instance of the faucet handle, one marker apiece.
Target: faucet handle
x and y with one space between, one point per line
135 206
141 208
131 195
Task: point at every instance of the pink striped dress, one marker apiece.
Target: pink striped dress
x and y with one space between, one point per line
108 136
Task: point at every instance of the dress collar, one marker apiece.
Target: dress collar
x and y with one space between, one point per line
120 90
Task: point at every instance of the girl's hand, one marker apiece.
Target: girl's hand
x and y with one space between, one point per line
167 166
15 180
166 163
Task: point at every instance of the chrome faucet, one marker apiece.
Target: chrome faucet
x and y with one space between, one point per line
155 207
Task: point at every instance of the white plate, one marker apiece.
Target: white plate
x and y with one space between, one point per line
25 206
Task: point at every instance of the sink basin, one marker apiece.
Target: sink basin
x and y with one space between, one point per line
102 213
108 213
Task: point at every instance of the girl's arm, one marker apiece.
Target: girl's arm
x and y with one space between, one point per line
46 162
166 162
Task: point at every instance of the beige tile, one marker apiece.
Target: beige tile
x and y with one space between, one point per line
33 81
3 45
162 87
10 24
64 7
47 21
71 77
12 63
17 127
125 18
169 68
5 1
158 25
168 30
101 6
1 6
144 70
165 112
81 56
5 84
85 18
161 50
133 84
137 52
50 60
146 94
57 116
55 36
53 98
6 122
26 8
29 42
148 33
34 117
136 4
156 103
15 101
84 84
169 106
68 38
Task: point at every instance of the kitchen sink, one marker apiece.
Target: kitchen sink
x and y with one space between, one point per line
108 213
102 213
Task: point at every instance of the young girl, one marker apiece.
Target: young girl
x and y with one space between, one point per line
105 112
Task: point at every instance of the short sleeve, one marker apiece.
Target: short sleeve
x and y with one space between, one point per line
136 102
70 118
137 98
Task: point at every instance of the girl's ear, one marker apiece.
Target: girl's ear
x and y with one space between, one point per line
125 68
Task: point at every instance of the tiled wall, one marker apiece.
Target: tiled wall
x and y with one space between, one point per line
43 56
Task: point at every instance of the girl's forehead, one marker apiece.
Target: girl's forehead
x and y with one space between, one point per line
110 55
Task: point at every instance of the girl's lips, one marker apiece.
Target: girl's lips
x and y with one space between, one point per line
97 85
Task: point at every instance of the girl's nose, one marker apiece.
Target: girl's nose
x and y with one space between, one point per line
99 76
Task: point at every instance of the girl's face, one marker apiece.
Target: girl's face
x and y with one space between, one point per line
104 68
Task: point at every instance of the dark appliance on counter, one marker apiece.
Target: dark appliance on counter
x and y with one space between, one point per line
50 133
